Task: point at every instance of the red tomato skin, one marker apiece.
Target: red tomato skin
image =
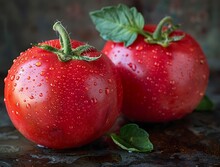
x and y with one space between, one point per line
160 84
62 104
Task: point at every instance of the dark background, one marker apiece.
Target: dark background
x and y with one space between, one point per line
26 21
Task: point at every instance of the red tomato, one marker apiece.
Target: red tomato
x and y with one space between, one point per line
62 104
160 83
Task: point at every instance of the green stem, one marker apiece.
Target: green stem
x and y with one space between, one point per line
158 32
64 38
66 52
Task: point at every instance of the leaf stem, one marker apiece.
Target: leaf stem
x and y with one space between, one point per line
144 33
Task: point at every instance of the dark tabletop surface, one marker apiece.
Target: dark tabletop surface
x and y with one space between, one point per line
192 141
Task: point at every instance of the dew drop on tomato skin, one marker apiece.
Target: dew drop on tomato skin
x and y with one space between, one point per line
100 91
17 78
107 91
18 104
38 64
28 106
12 77
132 66
51 68
94 100
31 97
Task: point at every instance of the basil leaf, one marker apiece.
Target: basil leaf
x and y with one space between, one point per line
118 23
132 138
205 104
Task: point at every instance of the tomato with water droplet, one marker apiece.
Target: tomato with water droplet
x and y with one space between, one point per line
55 103
164 70
177 81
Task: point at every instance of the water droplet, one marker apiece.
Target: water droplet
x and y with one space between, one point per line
148 78
100 90
12 77
156 64
201 94
107 91
31 97
42 73
132 66
94 100
38 64
154 51
109 80
169 63
139 48
140 61
18 104
51 68
165 72
168 54
28 106
17 77
202 61
52 84
172 82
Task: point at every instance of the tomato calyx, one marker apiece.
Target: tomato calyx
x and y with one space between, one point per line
123 24
162 36
67 53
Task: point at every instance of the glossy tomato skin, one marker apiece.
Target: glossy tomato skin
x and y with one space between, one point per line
160 83
62 104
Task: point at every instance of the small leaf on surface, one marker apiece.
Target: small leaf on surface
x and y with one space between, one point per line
132 138
205 104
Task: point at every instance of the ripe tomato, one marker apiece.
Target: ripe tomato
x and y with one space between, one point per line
160 83
164 71
62 104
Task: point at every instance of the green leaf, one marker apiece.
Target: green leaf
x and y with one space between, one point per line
118 23
132 138
205 104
